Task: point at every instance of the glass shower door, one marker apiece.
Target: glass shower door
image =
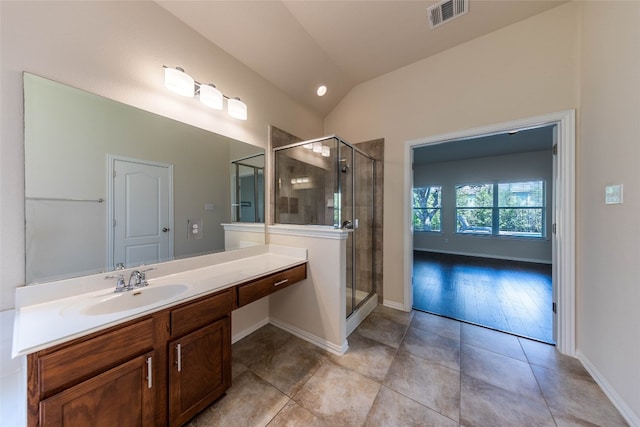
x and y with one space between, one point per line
356 187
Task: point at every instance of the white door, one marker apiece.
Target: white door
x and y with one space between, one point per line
142 209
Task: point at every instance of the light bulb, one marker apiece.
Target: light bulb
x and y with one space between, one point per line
326 151
237 109
317 147
322 90
176 80
308 146
210 96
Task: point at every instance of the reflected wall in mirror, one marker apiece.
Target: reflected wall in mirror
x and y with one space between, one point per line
106 183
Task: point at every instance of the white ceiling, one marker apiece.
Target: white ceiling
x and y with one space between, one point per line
298 45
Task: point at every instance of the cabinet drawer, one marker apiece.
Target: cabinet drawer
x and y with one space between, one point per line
257 289
77 362
200 313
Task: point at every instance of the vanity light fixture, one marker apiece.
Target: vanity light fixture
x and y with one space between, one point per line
237 108
211 96
326 151
308 146
178 81
317 147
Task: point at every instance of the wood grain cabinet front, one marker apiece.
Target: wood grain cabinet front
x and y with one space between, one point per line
199 370
260 288
122 396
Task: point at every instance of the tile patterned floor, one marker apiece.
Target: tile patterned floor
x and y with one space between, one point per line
408 369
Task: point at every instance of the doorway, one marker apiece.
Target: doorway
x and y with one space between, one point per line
482 222
564 216
140 212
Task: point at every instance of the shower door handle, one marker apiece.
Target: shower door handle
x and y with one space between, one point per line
355 223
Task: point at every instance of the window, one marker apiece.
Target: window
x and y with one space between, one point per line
474 208
504 209
427 206
521 208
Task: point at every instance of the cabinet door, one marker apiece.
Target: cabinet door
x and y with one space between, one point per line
122 396
200 370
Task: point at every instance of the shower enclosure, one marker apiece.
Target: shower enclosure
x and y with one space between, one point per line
329 182
247 178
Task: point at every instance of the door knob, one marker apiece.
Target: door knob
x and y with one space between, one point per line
165 229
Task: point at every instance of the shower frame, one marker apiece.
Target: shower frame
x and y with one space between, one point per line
337 223
237 205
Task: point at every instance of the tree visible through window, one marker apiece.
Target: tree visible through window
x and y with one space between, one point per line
427 206
511 209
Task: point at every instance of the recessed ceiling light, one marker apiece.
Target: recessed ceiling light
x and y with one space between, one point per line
321 90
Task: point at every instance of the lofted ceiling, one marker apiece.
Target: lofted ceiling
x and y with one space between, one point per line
298 45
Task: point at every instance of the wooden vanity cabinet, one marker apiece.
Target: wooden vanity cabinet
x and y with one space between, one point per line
122 396
161 369
260 288
200 355
104 379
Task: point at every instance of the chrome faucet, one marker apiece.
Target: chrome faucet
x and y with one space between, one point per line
120 285
136 278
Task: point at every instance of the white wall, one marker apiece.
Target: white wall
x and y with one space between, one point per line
608 246
116 49
581 55
535 165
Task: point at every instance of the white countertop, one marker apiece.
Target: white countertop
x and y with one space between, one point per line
49 314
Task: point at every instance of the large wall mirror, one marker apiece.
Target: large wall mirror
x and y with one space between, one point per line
107 184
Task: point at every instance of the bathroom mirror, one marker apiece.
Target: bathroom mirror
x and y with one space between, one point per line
109 184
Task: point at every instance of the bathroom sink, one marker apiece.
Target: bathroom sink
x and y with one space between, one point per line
138 298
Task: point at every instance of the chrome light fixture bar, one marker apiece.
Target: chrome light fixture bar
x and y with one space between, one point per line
178 81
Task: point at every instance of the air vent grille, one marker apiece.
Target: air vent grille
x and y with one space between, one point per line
445 11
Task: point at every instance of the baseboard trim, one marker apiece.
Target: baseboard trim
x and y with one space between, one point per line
626 412
473 254
248 331
313 339
395 305
360 314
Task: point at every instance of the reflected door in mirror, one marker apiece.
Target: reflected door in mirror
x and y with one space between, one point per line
142 222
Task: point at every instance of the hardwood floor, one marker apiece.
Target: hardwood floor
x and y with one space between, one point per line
508 296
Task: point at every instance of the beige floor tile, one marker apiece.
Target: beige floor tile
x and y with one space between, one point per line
574 398
294 415
393 409
397 316
290 366
436 348
338 396
366 357
428 383
497 342
569 421
504 372
250 401
262 343
237 369
384 328
483 404
547 356
442 326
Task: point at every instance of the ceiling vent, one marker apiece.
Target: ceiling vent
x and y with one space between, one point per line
446 11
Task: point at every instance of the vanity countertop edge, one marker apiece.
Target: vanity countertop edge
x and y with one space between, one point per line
41 324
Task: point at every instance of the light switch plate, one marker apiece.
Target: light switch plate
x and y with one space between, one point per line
613 194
